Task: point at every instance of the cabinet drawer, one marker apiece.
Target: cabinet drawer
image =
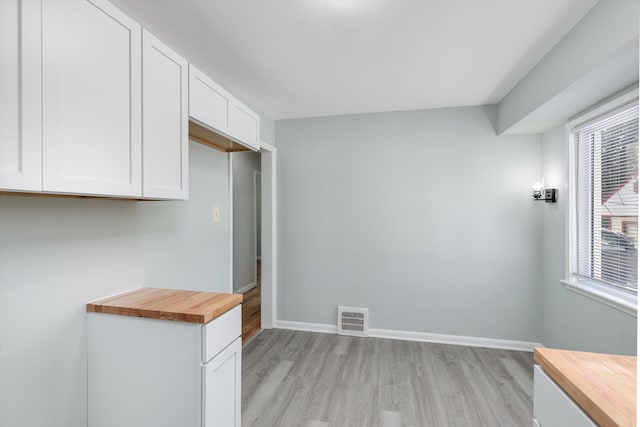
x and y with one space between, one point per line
552 407
221 332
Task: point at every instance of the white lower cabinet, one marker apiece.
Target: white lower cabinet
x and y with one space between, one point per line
161 373
222 375
552 407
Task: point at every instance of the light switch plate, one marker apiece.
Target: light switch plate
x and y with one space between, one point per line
216 214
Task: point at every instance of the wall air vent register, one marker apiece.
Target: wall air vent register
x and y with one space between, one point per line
353 321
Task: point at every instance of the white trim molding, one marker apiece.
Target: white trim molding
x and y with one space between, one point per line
604 295
230 200
256 215
244 289
455 340
324 328
268 252
417 336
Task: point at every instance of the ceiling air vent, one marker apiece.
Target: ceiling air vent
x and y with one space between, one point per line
353 321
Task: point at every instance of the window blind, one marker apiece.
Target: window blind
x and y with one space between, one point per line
607 199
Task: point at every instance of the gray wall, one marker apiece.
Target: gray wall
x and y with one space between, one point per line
244 230
183 247
424 217
267 129
57 254
570 320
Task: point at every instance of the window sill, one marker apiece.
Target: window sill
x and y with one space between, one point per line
599 293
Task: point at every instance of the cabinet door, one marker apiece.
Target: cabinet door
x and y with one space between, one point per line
552 407
244 125
91 99
221 385
165 121
20 142
209 103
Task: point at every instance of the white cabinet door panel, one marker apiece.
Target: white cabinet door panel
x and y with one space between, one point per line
91 99
244 125
10 141
222 387
165 121
552 407
20 141
214 107
209 103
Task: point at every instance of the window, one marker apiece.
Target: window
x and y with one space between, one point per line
604 205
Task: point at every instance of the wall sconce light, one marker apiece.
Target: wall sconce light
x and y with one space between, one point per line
549 193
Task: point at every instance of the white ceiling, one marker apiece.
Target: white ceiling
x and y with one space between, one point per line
305 58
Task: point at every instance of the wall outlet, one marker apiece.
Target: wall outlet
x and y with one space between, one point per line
216 214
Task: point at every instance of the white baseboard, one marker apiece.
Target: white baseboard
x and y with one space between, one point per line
416 336
308 327
245 288
454 339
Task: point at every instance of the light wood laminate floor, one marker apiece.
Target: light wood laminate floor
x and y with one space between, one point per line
292 378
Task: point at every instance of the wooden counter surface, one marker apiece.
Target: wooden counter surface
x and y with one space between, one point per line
603 385
168 304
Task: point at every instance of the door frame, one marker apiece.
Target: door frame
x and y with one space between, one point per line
256 215
268 253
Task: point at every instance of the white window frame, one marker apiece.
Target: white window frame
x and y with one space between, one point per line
609 295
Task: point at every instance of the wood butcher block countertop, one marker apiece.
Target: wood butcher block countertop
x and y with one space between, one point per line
603 385
167 304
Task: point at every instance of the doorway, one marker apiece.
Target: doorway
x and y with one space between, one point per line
252 192
246 218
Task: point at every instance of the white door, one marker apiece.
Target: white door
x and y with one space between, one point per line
91 99
20 141
165 121
222 387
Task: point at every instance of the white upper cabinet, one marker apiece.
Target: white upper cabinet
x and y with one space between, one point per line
212 106
20 141
81 86
91 99
209 103
165 121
